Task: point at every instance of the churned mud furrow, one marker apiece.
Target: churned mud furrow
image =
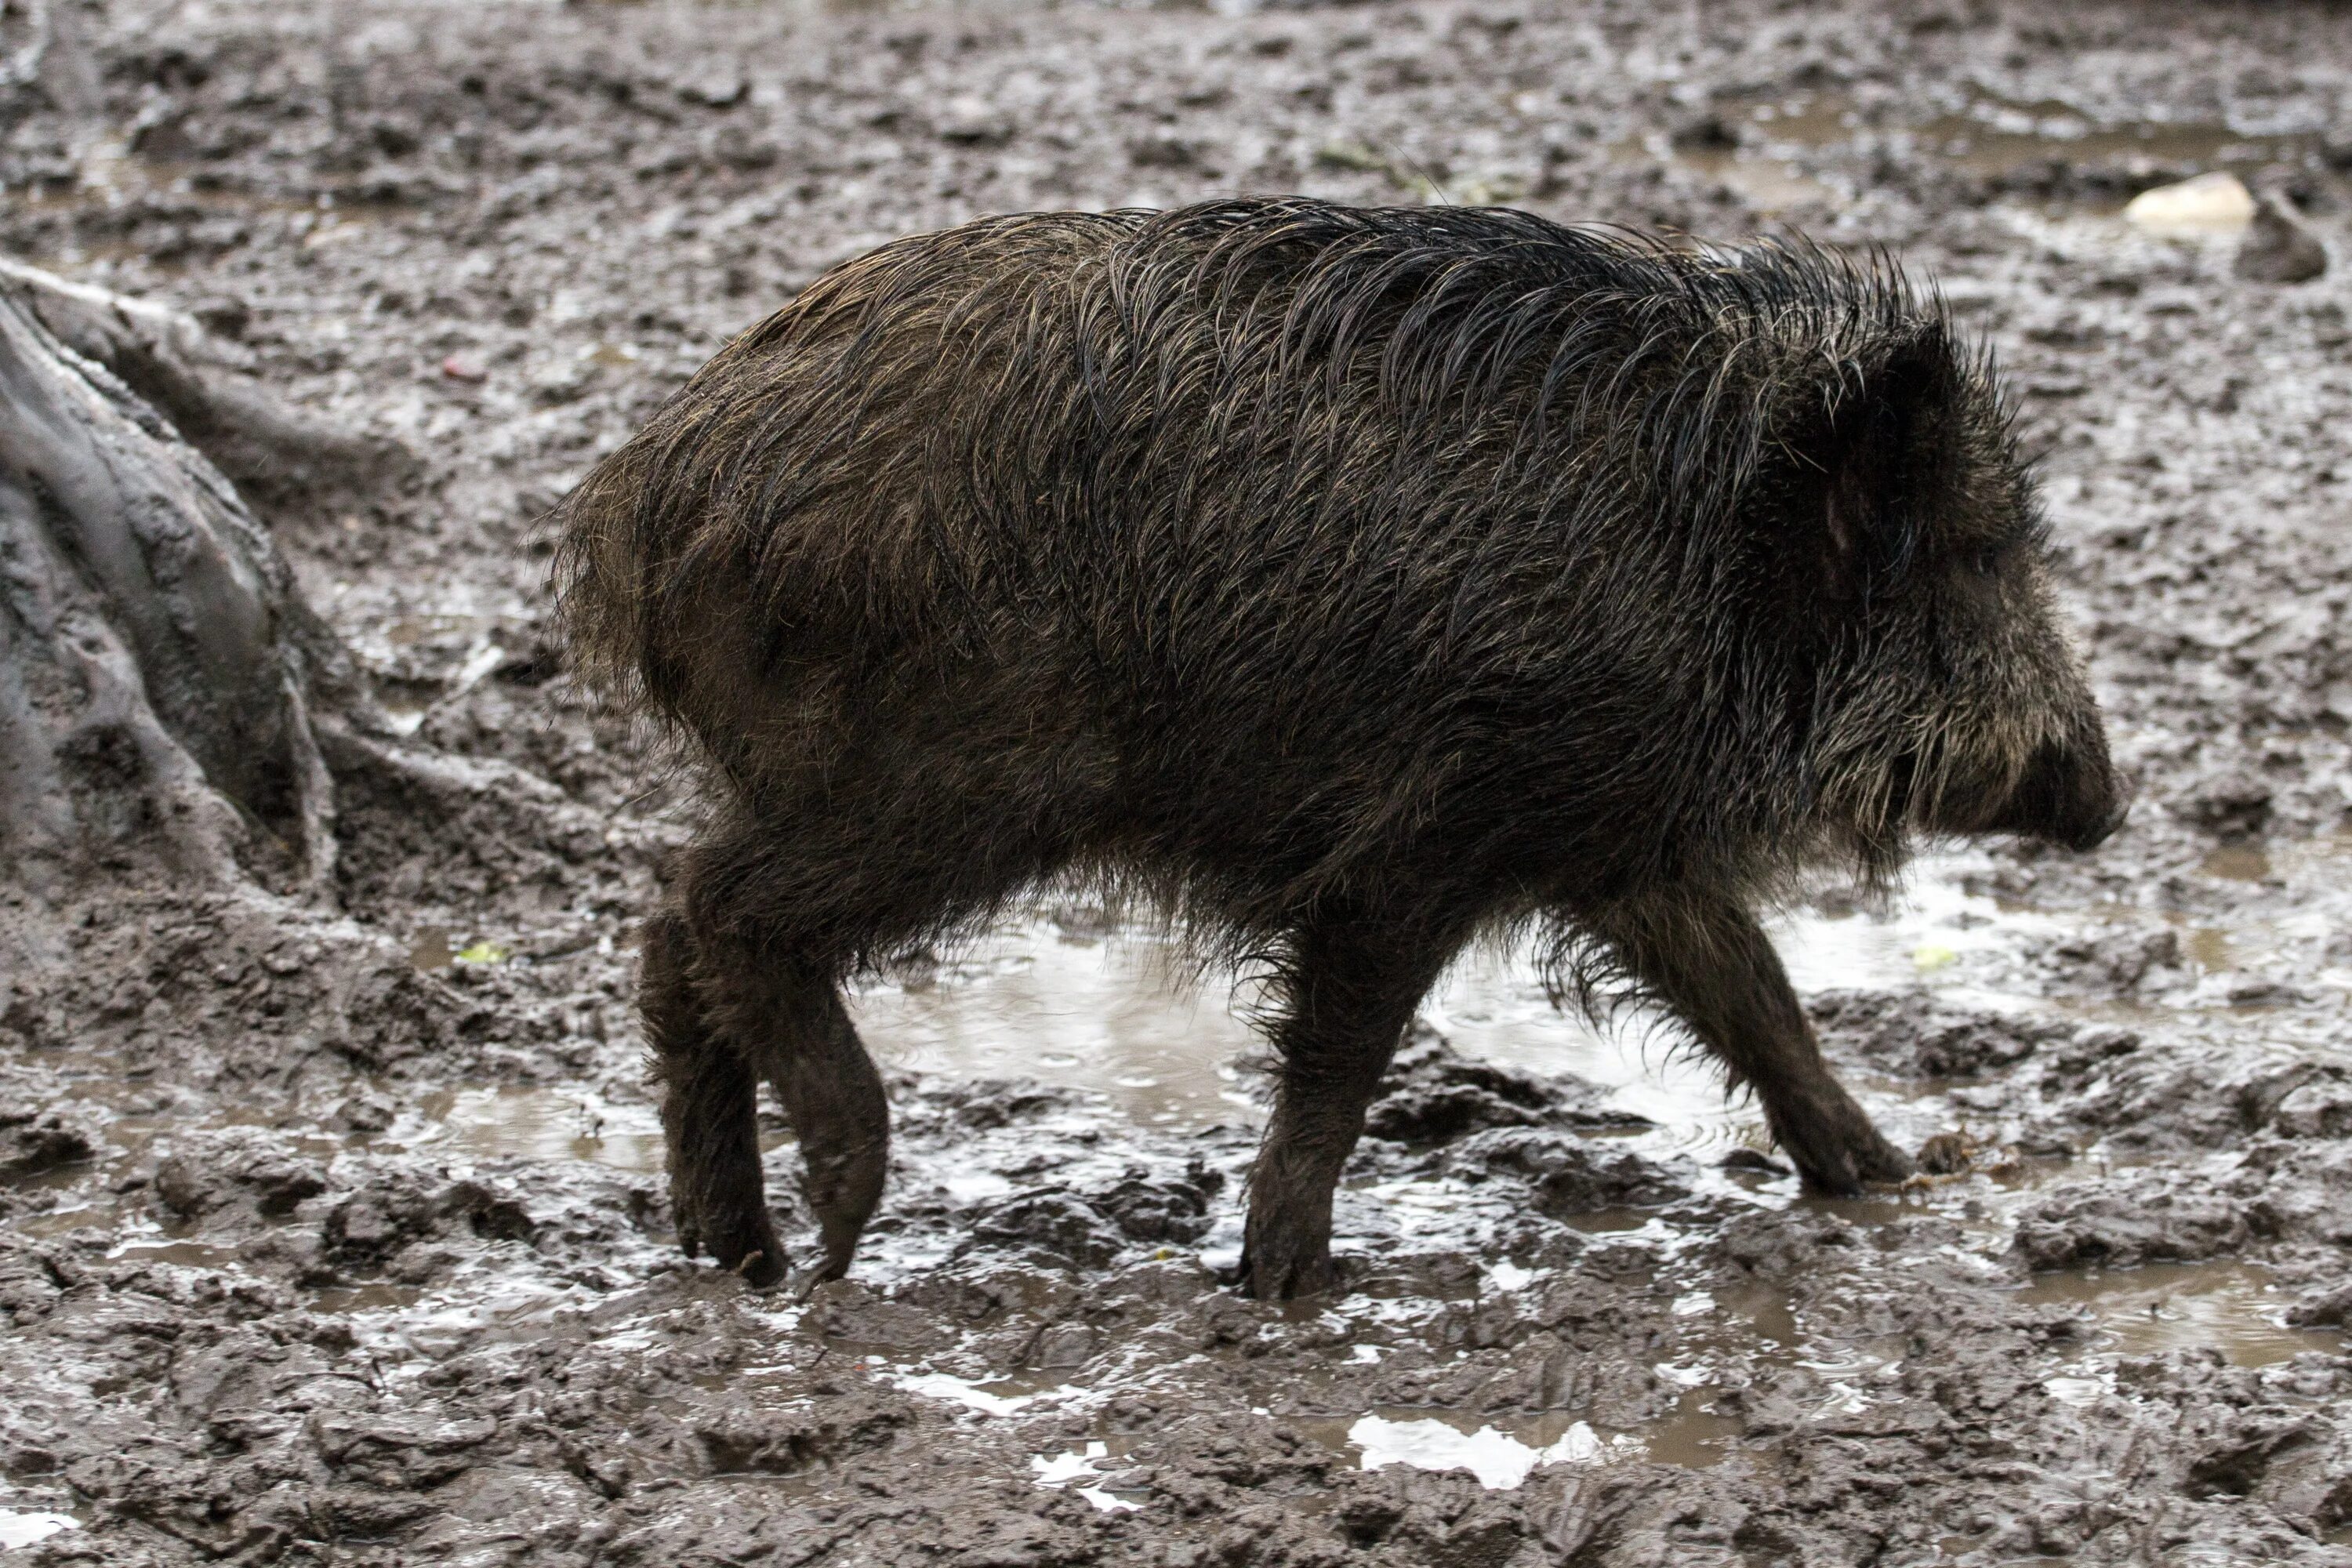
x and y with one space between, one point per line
333 1225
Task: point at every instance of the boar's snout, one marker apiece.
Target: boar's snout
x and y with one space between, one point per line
2070 794
2118 812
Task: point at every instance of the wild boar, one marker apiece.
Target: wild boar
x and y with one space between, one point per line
1350 584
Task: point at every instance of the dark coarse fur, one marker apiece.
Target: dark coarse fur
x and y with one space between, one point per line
1347 583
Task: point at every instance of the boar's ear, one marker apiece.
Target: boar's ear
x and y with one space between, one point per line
1869 447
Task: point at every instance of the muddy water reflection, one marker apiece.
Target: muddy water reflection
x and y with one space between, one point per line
1109 1013
540 1125
1109 1010
1112 1012
2233 1308
1779 150
1103 1012
1502 1449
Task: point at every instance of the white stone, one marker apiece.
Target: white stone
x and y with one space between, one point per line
2209 204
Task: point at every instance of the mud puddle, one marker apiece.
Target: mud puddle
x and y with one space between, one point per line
535 1123
1109 1011
2235 1309
23 1527
1105 1011
1500 1457
1112 1011
1781 152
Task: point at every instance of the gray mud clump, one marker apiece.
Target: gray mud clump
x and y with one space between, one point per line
1433 1094
333 1224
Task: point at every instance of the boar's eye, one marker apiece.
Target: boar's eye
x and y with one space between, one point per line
1985 559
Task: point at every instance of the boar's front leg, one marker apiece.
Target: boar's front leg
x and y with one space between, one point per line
1707 959
1348 989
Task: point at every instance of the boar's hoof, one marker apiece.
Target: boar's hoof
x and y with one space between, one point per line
1285 1274
1877 1160
749 1248
1843 1172
1837 1151
834 1267
759 1269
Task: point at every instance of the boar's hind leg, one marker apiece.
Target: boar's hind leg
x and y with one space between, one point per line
710 1114
812 1054
1347 995
1708 960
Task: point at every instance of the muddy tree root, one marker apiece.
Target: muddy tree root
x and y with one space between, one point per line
286 464
156 667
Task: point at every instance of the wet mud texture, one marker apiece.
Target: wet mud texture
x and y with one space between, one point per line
333 1229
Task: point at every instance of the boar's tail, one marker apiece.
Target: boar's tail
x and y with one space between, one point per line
600 602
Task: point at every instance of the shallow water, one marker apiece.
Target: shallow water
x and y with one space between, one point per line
2230 1307
1106 1013
1111 1012
538 1124
1114 1010
23 1527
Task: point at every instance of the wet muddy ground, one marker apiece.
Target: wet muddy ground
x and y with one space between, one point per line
337 1235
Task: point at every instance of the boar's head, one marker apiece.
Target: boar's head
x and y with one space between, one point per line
1948 698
